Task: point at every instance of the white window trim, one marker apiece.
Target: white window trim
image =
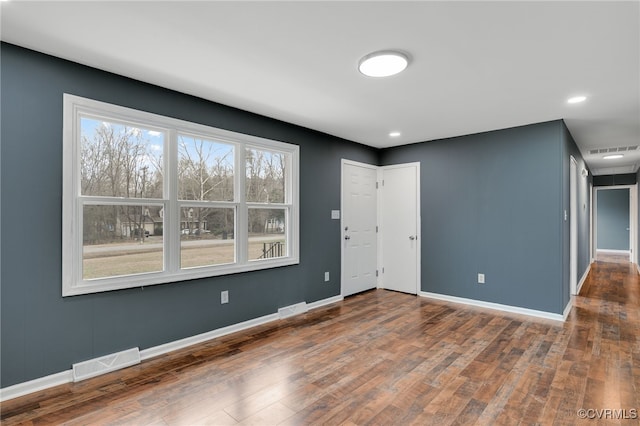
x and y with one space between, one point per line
72 282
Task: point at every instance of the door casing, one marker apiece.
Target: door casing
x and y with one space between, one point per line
380 254
573 226
633 219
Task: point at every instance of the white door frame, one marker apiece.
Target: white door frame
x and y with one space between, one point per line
592 225
633 222
344 162
379 260
633 218
573 225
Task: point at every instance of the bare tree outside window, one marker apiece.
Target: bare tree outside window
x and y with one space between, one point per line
205 174
205 169
266 184
120 161
123 161
265 171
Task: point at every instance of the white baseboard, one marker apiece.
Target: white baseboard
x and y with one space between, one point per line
495 306
324 302
36 385
567 309
204 337
583 279
25 388
611 251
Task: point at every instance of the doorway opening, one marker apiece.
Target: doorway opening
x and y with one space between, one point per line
615 222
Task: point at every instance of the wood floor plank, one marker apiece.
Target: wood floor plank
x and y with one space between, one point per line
381 358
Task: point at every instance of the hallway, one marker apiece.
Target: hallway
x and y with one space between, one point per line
606 337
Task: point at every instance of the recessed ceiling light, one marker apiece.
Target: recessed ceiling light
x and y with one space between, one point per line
394 134
576 99
383 63
613 156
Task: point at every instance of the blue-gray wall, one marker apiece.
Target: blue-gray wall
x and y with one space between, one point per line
494 203
42 333
613 219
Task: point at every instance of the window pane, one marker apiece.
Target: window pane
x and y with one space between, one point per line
206 236
267 233
120 160
266 172
121 240
205 169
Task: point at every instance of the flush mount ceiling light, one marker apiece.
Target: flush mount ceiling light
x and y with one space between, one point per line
394 134
383 63
576 99
612 156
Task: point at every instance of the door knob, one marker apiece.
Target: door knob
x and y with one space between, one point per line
411 237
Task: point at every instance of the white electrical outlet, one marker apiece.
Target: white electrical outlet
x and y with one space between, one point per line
224 297
480 278
326 276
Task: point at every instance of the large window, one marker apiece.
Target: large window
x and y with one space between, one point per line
149 199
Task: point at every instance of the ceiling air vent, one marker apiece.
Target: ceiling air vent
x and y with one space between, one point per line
608 150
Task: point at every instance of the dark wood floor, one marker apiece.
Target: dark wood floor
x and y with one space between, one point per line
382 358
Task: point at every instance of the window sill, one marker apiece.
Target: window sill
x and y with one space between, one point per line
149 279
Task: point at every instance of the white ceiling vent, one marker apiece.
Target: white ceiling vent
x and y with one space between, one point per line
617 149
105 364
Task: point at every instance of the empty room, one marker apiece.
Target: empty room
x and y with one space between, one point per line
319 212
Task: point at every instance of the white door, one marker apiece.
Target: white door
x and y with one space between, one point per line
359 239
400 228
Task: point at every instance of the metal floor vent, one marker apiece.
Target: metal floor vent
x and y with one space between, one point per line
289 311
105 364
617 149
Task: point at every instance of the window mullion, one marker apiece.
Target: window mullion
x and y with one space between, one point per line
171 231
77 248
242 234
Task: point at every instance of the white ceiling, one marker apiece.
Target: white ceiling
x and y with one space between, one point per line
476 66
